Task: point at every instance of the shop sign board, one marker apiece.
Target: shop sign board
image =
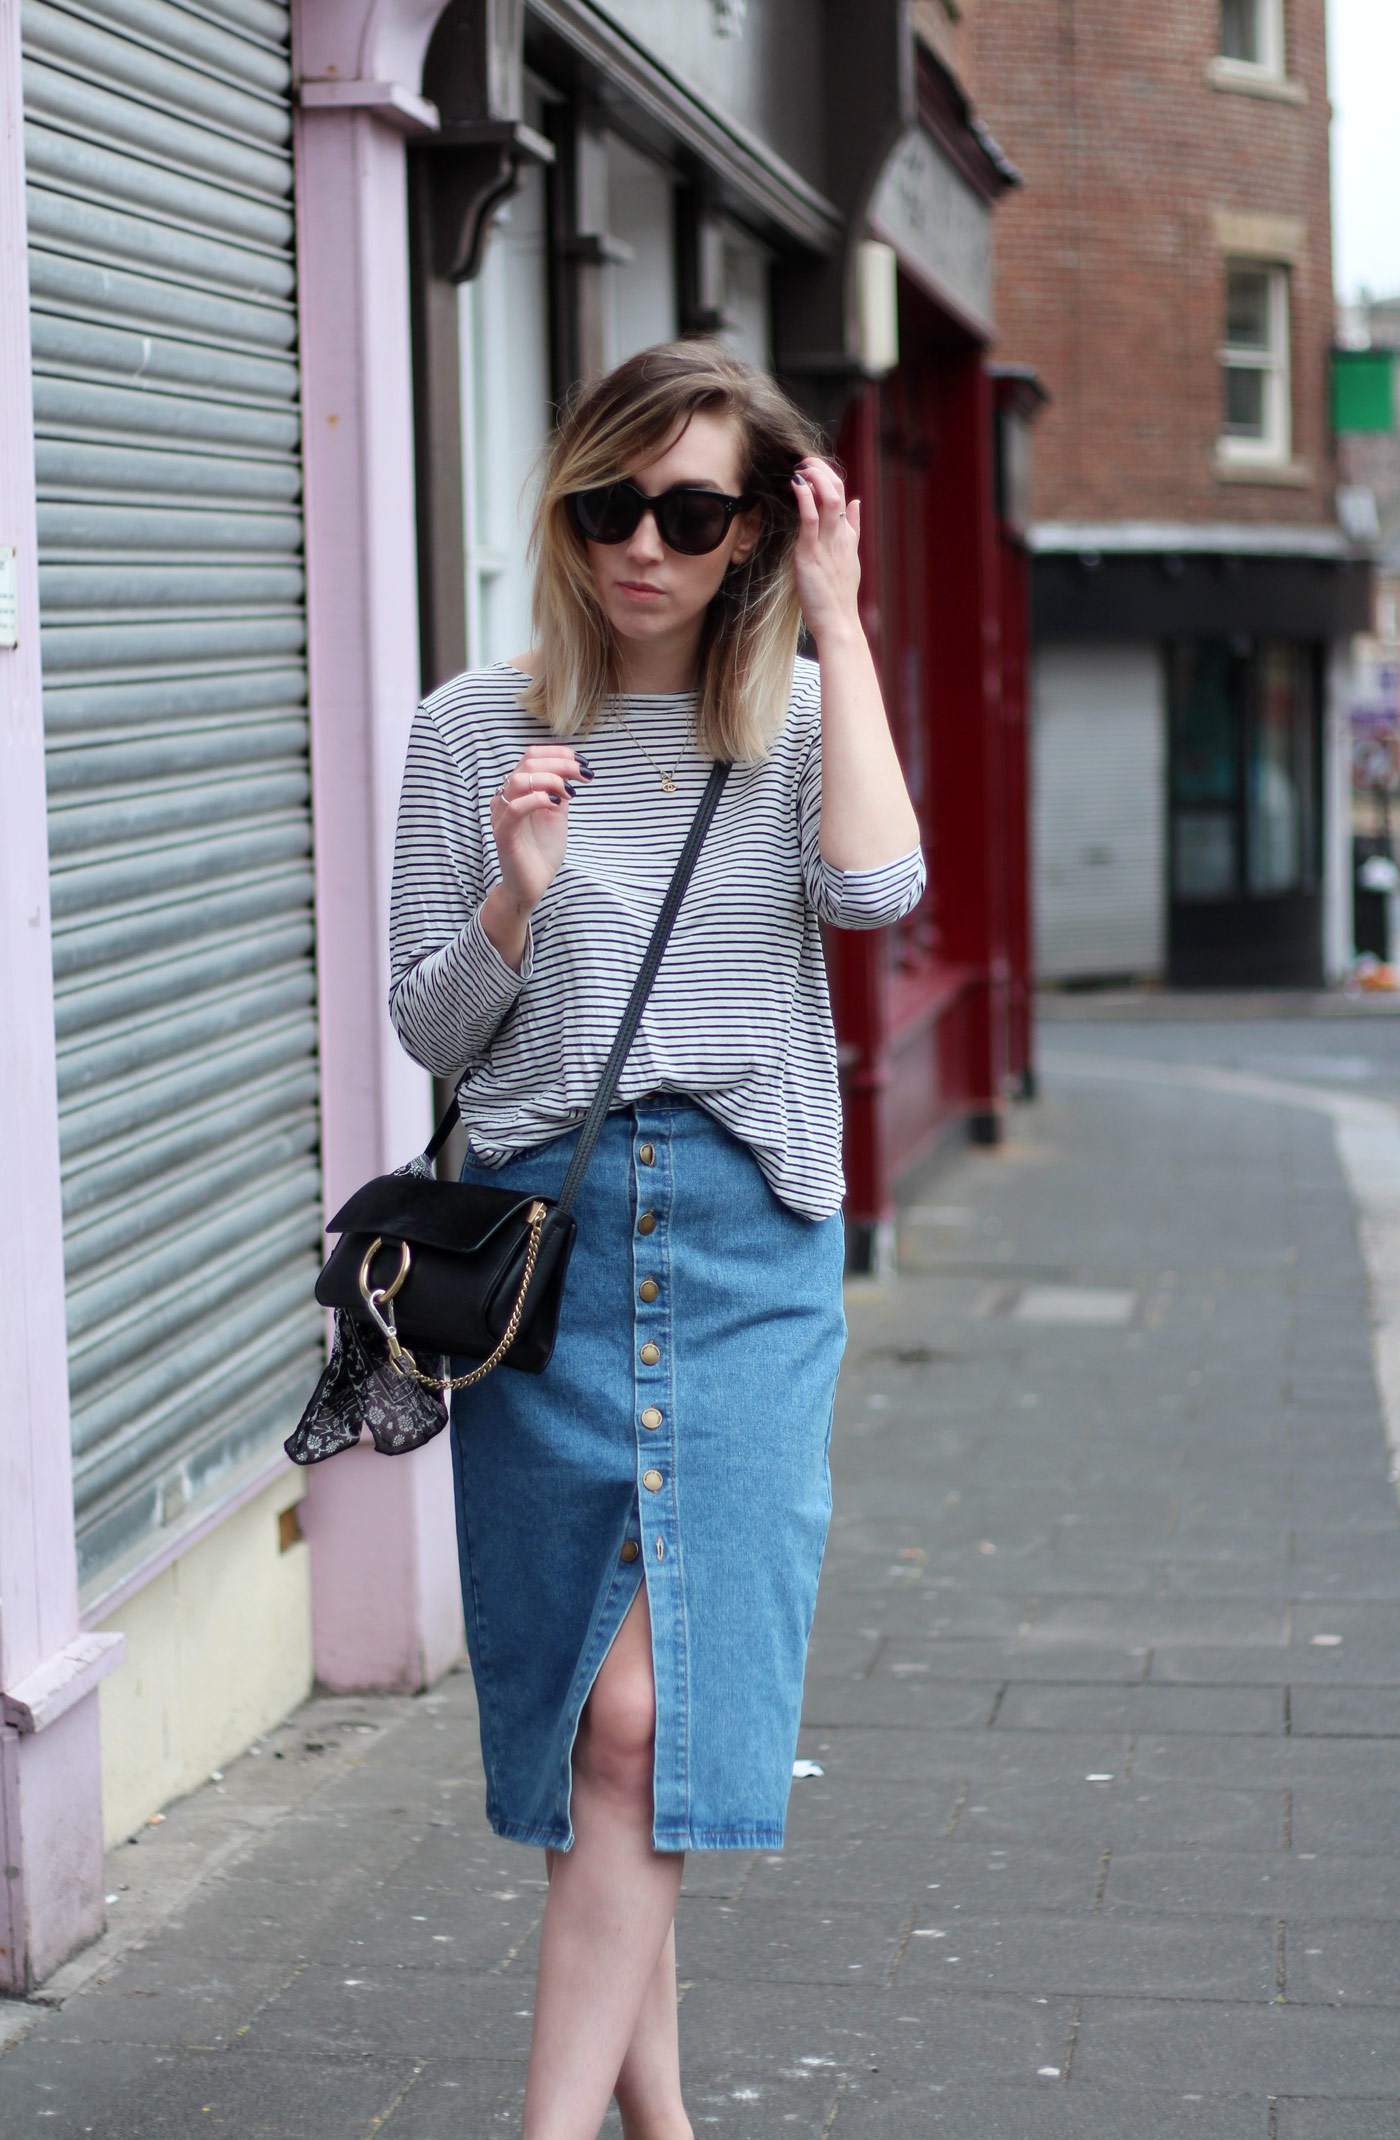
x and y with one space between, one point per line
940 228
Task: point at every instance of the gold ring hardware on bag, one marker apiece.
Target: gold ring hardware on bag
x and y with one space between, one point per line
400 1358
386 1292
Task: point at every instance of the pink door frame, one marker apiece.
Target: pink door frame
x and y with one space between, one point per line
386 1597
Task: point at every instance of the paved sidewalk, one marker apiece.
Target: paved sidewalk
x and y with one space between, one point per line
1105 1689
1151 1004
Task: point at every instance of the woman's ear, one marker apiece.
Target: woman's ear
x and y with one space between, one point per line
750 528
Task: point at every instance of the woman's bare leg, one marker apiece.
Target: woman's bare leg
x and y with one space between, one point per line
609 1911
648 2089
649 2085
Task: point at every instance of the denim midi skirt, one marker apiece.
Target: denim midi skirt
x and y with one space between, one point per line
679 1437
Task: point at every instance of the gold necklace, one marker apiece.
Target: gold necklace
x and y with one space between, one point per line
669 783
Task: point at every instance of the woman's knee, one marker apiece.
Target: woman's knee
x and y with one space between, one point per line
617 1732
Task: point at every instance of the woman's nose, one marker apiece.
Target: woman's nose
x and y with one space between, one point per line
645 539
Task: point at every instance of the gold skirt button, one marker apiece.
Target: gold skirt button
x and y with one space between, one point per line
630 1549
648 1289
647 1222
647 1154
651 1353
651 1417
652 1481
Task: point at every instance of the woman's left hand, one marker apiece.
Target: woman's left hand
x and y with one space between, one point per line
826 559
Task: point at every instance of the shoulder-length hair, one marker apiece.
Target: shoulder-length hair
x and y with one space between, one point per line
750 632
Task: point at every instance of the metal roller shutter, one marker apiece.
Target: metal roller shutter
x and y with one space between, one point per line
168 439
1099 831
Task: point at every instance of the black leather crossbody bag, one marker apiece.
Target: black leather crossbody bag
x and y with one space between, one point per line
425 1269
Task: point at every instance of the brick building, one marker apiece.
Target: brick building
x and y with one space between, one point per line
1166 269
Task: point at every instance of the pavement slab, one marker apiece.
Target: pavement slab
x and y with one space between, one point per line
1345 1712
82 2091
753 2031
964 1879
1161 1957
1338 1962
1324 2119
1223 2048
1277 1884
1104 1691
1049 2111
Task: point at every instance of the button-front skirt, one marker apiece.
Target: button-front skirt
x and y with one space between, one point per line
679 1436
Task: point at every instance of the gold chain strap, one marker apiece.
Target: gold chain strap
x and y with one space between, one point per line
399 1353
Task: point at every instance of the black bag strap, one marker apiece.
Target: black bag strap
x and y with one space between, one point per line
636 1002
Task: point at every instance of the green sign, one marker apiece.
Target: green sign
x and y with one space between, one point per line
1363 389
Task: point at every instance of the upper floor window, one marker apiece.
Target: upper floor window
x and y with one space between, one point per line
1251 34
1254 362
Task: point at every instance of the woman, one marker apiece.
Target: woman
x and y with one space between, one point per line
642 1525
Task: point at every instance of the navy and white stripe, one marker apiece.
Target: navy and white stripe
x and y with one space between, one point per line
739 1017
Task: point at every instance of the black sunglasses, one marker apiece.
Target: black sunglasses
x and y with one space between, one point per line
688 519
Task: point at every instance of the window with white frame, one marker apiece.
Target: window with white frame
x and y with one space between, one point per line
641 292
1251 35
506 412
1254 363
746 297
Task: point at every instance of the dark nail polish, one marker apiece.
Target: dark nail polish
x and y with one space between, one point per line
558 801
584 765
569 788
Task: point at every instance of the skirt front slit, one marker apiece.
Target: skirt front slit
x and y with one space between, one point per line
679 1437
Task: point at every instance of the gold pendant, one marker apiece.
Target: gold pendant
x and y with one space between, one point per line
668 783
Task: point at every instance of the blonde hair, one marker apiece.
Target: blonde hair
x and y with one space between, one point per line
750 631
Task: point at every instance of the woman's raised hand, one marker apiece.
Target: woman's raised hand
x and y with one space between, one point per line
530 819
826 559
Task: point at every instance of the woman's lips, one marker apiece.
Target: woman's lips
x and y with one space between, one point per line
639 590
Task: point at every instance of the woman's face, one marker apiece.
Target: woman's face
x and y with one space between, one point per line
649 593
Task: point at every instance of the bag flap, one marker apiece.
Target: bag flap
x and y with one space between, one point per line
456 1215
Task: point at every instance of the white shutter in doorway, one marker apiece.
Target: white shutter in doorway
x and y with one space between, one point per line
1099 828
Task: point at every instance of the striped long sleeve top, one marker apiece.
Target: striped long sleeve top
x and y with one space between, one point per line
739 1017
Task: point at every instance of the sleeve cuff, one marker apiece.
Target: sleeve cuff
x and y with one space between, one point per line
871 898
484 962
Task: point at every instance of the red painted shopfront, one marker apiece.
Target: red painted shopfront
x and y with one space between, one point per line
933 1015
